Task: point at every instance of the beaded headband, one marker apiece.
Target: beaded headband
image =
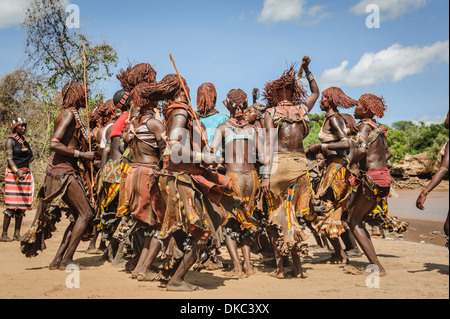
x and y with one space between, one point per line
123 100
18 120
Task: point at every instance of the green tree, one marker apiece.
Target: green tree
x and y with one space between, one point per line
315 123
57 51
406 137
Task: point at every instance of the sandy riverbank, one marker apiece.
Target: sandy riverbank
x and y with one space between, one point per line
417 265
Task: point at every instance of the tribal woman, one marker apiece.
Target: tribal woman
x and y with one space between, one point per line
334 189
374 177
206 109
239 142
144 198
437 178
64 181
19 182
285 178
188 189
102 120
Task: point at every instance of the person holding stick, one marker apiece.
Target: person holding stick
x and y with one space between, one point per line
192 194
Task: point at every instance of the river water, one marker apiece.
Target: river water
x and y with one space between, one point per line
403 205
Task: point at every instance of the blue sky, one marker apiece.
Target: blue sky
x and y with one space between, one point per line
244 44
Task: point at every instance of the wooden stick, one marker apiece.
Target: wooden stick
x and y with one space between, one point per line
85 96
300 72
87 124
190 104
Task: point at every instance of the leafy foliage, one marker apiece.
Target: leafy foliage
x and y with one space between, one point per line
406 137
55 55
57 51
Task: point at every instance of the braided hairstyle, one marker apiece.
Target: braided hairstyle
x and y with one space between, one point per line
142 99
287 80
168 89
373 103
236 97
73 95
133 75
206 98
338 98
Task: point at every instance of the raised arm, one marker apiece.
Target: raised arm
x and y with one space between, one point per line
315 93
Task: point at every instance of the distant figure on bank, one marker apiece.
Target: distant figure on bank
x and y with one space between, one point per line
19 183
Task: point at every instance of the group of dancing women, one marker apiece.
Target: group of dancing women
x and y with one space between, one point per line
161 186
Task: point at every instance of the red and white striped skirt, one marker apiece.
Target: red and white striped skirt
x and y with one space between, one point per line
19 193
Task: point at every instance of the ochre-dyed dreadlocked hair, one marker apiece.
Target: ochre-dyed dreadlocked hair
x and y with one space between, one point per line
237 97
287 80
73 95
102 114
95 118
338 98
133 75
108 111
168 89
375 104
141 98
206 97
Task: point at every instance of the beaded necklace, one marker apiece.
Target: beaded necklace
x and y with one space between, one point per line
21 141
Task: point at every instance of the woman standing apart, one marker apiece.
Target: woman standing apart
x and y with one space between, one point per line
436 180
19 182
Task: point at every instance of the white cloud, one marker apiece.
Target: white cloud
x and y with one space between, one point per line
290 11
12 12
281 10
390 65
390 9
428 120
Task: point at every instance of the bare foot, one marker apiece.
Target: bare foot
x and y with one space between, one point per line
297 274
248 270
54 265
234 273
336 260
149 276
182 286
5 238
277 274
63 265
381 270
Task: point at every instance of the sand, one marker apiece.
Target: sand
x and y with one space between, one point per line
417 264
